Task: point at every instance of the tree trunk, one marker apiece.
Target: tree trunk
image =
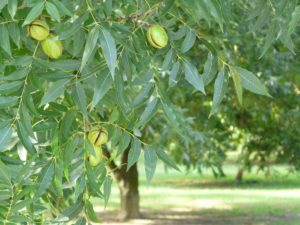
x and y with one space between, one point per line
129 194
239 175
128 182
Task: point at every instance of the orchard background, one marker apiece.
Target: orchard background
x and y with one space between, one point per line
188 87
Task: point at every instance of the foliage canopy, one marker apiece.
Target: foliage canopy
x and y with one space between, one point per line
109 76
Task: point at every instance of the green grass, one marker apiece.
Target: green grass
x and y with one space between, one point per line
259 200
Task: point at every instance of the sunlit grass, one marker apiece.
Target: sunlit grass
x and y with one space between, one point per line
275 198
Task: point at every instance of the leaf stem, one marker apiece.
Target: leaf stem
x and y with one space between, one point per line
122 128
24 87
90 9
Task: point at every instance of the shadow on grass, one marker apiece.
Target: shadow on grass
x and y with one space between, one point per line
232 184
182 217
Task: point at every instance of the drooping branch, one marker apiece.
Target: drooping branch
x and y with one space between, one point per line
112 165
118 171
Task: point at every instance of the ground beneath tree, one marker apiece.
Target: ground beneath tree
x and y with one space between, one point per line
182 217
186 199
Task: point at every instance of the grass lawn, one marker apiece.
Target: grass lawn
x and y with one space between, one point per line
193 198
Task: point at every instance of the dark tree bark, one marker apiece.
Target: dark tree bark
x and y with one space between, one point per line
128 184
239 175
129 194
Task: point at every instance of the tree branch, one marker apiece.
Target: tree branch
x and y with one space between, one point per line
112 165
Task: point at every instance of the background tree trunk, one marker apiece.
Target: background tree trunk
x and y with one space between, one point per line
239 175
128 183
129 194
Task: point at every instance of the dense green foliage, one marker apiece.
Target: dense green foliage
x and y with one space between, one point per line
110 76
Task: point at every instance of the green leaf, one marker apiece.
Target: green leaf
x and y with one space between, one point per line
90 148
78 43
220 88
22 61
14 33
203 12
6 88
144 95
294 22
180 33
54 91
150 162
17 75
12 7
171 115
44 179
287 41
102 85
62 8
21 176
167 6
173 78
210 69
134 153
126 64
34 13
4 194
5 174
4 39
70 213
166 158
225 10
7 101
193 77
106 189
79 97
108 8
19 219
79 188
257 10
114 116
30 104
71 29
5 135
81 221
67 123
3 3
124 142
90 45
270 38
109 49
52 11
92 180
24 137
26 120
119 87
215 11
149 112
251 82
55 75
188 42
21 205
68 155
58 176
144 79
90 212
116 136
168 59
237 84
263 18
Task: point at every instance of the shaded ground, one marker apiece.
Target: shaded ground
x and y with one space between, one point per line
179 217
185 199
